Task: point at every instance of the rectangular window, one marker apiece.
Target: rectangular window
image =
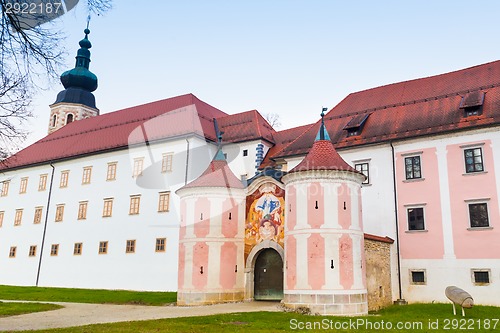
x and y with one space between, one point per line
135 201
87 174
416 219
59 213
38 215
82 210
5 188
163 202
364 168
111 174
413 167
473 160
418 277
107 210
160 244
32 252
77 249
166 162
138 165
103 247
18 217
245 152
64 179
1 218
12 251
24 185
54 250
130 246
481 277
42 183
478 215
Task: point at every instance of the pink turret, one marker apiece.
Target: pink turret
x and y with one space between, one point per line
211 237
324 245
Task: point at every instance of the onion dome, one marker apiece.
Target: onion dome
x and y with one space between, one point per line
79 82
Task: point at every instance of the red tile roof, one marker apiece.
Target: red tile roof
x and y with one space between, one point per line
323 156
282 139
218 174
153 121
246 126
420 107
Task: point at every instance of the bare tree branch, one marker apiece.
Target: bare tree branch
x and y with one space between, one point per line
29 54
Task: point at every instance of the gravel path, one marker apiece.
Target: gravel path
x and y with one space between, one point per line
79 314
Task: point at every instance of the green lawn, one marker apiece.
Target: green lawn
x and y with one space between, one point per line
12 309
86 295
419 316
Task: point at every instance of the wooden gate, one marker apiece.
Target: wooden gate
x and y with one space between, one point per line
268 276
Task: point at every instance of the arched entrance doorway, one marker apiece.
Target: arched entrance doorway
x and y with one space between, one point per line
268 276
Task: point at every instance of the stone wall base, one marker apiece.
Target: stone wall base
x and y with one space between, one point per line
201 298
329 304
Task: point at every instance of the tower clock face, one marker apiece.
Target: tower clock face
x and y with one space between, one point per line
28 14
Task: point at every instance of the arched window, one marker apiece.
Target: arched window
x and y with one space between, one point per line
69 118
54 119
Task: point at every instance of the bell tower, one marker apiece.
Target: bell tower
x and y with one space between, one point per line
76 101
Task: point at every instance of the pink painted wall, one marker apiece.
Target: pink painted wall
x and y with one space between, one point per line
315 194
420 192
346 261
471 244
182 230
316 261
291 262
201 217
200 258
228 264
229 226
182 266
344 195
291 213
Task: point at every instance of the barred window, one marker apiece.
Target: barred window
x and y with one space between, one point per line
135 201
24 185
82 210
54 250
18 217
32 252
160 244
166 162
413 167
163 202
107 210
38 215
77 249
130 248
473 160
42 183
87 174
111 174
103 247
64 179
59 213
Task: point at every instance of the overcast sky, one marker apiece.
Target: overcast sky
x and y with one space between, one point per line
277 56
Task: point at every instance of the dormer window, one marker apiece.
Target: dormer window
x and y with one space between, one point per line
356 124
472 103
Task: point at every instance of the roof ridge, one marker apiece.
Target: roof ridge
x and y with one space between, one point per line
417 101
99 128
291 142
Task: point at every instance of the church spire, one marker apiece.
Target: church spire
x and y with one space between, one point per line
76 101
322 133
80 76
